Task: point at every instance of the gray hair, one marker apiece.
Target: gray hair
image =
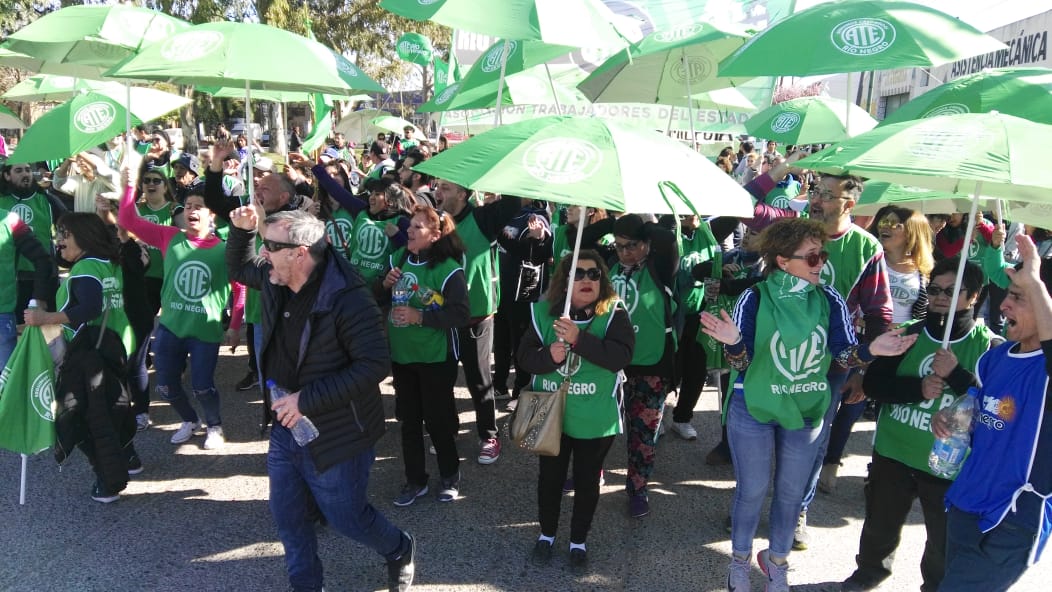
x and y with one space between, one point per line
304 229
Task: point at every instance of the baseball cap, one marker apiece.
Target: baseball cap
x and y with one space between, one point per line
189 162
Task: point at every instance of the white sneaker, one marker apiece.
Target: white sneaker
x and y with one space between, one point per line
185 431
685 430
215 439
142 421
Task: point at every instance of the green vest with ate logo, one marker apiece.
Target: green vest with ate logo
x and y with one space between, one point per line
416 343
699 248
481 268
370 247
786 380
340 230
848 256
8 255
645 302
111 278
904 430
35 211
592 409
196 290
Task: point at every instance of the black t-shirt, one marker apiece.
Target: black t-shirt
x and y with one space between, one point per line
282 354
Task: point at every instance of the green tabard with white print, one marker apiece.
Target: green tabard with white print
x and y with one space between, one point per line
848 256
196 290
481 269
591 404
340 230
416 343
904 430
35 211
111 278
8 289
644 300
162 216
253 306
700 248
786 379
370 247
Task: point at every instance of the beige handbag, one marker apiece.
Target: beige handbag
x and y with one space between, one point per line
537 426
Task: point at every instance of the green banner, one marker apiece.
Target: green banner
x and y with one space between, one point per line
415 48
27 396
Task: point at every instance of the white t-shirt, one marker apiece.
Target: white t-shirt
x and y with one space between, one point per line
905 289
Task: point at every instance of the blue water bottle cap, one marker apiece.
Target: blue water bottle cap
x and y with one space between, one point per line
271 384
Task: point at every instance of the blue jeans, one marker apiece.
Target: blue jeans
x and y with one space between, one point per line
170 352
8 337
836 382
752 444
983 562
340 494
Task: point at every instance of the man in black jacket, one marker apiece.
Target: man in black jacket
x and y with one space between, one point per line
322 340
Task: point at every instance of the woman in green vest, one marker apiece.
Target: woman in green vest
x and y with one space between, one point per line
431 303
93 293
784 334
193 297
591 347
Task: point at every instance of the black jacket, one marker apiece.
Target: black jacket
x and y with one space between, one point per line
343 352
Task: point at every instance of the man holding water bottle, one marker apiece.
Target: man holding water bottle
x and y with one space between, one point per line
323 341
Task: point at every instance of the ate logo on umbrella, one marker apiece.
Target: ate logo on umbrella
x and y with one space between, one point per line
346 67
866 36
785 122
679 34
948 144
94 117
154 28
42 396
191 45
562 160
947 109
447 94
493 58
694 70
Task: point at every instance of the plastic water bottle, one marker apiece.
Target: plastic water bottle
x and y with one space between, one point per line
947 454
303 430
399 297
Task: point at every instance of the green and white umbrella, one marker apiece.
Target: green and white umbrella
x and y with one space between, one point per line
590 162
276 96
578 23
86 121
357 125
809 120
21 61
390 123
878 194
50 87
532 87
515 56
857 36
8 119
92 38
1023 92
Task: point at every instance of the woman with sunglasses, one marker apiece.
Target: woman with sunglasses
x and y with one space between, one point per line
907 240
785 333
591 347
422 332
194 293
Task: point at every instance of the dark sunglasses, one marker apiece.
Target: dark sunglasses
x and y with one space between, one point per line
593 274
812 259
275 246
936 291
152 181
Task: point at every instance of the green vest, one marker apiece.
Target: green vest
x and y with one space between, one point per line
35 211
161 216
904 430
481 268
592 407
848 256
700 248
112 279
340 230
419 344
370 247
8 256
645 302
195 290
253 305
786 382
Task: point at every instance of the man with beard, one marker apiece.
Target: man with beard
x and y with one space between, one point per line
24 198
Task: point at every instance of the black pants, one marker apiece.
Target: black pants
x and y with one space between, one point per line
588 458
890 491
511 322
425 398
250 338
476 344
692 370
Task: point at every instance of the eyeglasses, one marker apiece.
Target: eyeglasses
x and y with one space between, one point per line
629 246
593 274
812 259
823 194
152 181
61 233
887 223
936 291
275 246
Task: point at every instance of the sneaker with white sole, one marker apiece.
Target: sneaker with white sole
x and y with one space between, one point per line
801 537
684 430
738 575
489 451
215 438
142 421
102 496
409 494
777 575
186 430
450 489
134 464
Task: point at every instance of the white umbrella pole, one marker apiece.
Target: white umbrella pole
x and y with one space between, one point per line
848 102
250 169
999 214
960 266
551 83
690 101
128 145
500 83
581 222
22 484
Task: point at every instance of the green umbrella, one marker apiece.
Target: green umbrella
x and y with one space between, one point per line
589 162
276 96
878 194
247 55
723 98
516 56
578 23
857 36
357 125
390 123
92 36
1023 92
532 87
82 123
21 61
8 119
50 87
809 120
